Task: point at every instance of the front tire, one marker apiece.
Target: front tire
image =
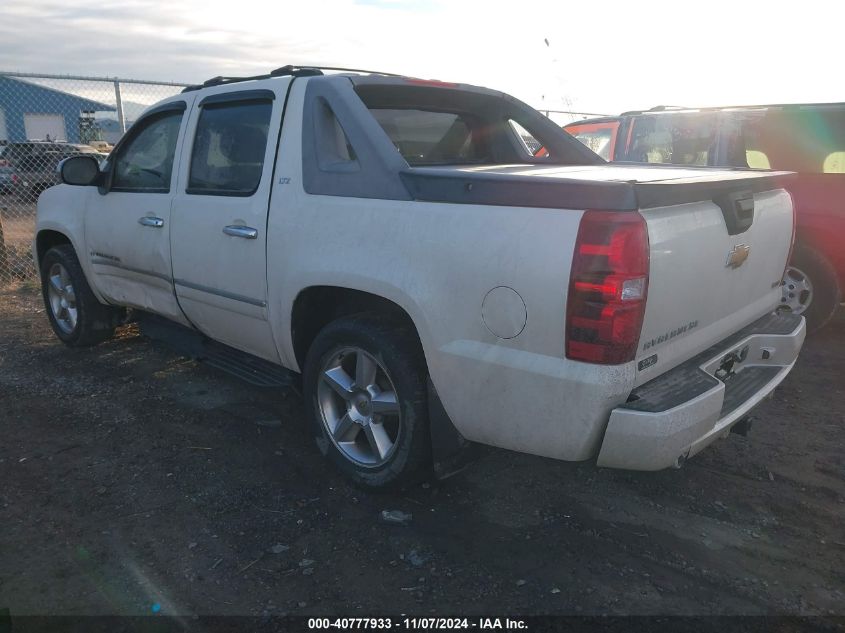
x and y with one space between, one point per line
76 316
810 288
365 393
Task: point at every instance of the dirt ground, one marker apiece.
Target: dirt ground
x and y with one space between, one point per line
134 481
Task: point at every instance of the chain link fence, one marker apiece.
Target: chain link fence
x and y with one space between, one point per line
44 119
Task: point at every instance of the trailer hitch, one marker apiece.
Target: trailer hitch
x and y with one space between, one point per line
729 363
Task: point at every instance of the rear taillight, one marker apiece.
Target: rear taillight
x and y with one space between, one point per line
607 288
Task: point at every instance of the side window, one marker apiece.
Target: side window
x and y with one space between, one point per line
834 163
597 136
757 159
229 147
145 163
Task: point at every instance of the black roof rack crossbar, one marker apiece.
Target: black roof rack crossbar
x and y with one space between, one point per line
288 70
220 81
284 71
659 108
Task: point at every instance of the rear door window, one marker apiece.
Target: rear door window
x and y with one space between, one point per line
676 139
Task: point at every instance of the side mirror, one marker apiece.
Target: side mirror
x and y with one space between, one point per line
81 171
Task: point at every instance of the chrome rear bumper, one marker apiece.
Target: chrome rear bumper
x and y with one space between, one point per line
676 415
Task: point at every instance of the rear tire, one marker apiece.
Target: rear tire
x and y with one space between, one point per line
76 316
365 394
811 288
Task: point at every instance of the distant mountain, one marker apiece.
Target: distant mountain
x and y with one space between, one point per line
131 111
109 130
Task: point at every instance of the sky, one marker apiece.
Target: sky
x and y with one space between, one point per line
599 57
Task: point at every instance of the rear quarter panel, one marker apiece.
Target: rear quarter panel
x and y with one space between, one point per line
437 262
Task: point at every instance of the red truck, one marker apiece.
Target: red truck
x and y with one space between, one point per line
808 139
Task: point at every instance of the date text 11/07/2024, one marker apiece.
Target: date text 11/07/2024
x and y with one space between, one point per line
418 623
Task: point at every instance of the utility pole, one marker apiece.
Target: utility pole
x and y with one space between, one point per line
121 118
4 260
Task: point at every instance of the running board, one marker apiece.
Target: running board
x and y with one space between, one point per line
193 344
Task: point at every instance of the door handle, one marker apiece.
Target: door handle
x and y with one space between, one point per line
236 230
147 220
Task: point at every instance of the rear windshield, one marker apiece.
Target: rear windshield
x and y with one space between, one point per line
426 137
438 126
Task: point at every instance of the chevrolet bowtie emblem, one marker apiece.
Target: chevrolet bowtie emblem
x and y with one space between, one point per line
738 255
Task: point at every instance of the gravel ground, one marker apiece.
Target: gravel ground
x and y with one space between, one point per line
133 480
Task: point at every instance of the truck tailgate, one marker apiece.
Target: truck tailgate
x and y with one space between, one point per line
707 278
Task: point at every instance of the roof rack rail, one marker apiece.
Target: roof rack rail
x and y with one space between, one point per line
659 108
218 81
288 70
284 71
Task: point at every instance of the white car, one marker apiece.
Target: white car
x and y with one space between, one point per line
433 278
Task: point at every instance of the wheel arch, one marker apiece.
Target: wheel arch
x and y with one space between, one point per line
807 241
316 306
50 234
47 239
815 264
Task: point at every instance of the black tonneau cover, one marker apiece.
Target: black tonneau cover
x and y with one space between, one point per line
610 187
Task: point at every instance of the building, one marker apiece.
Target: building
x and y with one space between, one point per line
29 111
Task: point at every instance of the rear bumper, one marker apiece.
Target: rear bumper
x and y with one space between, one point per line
679 413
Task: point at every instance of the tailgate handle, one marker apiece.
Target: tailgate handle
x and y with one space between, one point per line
738 209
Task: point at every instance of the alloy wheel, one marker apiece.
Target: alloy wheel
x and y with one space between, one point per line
61 296
359 407
797 291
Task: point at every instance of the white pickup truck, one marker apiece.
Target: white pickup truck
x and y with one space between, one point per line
435 279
